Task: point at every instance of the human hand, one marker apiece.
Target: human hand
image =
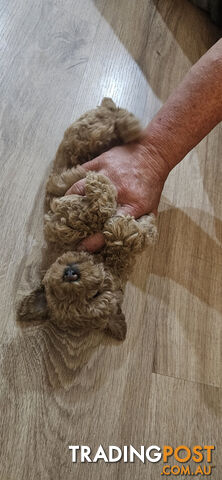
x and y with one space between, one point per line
138 173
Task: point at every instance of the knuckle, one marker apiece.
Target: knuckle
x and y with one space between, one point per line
78 188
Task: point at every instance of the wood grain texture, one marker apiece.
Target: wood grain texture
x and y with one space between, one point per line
163 384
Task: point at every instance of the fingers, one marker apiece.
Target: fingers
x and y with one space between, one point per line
133 210
78 188
94 164
126 210
92 243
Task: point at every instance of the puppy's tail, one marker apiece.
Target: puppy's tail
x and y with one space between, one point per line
127 126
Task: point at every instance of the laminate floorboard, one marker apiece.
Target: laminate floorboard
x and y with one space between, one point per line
163 384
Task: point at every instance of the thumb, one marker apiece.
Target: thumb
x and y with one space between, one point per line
93 243
77 188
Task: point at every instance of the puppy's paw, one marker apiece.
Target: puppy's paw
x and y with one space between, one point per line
125 233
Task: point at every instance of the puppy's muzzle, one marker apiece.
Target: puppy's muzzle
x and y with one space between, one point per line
71 273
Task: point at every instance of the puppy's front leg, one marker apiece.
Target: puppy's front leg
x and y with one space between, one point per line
72 218
125 237
58 184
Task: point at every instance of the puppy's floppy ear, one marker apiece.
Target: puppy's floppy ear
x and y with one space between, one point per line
116 327
33 306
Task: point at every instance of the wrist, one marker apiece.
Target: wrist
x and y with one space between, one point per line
155 155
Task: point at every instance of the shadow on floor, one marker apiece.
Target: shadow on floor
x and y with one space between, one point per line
156 31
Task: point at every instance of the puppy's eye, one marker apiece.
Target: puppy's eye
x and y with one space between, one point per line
71 273
96 294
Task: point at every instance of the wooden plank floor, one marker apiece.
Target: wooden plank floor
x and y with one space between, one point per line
163 385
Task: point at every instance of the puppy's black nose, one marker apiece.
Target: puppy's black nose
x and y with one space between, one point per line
71 273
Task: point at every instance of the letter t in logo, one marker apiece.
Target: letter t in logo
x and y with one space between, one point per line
74 449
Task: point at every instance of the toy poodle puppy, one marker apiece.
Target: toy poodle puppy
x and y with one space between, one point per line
79 289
